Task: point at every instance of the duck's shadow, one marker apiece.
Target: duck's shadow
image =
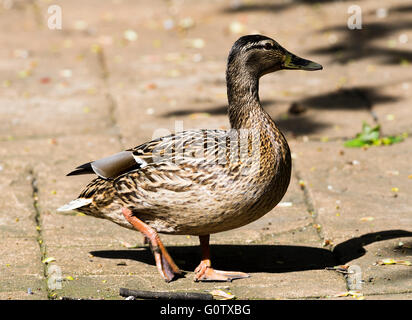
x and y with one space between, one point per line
263 258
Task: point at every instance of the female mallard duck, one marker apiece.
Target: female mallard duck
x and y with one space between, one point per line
199 182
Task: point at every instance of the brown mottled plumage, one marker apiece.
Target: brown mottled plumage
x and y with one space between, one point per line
200 182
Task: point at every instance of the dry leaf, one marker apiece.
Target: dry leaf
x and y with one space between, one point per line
317 226
365 219
393 261
48 260
222 294
327 242
128 245
24 73
96 48
351 293
342 268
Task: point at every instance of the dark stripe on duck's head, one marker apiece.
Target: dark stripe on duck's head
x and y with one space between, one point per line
253 38
250 42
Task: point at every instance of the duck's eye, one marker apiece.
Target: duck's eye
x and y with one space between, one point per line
268 46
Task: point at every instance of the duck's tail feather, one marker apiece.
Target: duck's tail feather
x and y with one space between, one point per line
75 204
83 169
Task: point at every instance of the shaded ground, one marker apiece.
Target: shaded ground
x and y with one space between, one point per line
119 71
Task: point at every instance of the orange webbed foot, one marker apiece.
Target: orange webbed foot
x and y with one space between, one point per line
204 272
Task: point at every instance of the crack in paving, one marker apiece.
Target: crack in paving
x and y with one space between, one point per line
113 119
39 237
101 59
310 207
377 294
315 221
37 12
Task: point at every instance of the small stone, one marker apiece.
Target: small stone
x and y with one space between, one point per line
130 35
168 24
403 38
382 13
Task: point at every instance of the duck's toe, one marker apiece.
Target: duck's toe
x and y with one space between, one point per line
207 273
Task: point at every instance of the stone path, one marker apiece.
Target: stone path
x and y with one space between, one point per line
120 70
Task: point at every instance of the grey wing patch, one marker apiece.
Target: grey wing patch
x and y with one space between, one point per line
112 166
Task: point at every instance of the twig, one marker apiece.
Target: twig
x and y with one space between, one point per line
124 292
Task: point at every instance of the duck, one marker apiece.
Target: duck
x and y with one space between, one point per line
202 181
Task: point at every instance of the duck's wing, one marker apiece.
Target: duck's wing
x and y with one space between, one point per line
191 146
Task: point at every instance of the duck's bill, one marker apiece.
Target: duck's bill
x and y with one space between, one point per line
293 62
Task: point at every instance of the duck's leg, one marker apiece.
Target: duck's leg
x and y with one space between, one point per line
205 272
164 262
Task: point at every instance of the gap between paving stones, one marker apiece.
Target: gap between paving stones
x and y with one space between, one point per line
37 12
101 58
310 207
38 222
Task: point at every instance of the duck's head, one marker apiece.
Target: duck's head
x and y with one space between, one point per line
261 55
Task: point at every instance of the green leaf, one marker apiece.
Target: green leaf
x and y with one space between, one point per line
354 143
396 139
368 133
370 136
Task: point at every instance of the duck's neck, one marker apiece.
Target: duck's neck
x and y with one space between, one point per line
245 110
